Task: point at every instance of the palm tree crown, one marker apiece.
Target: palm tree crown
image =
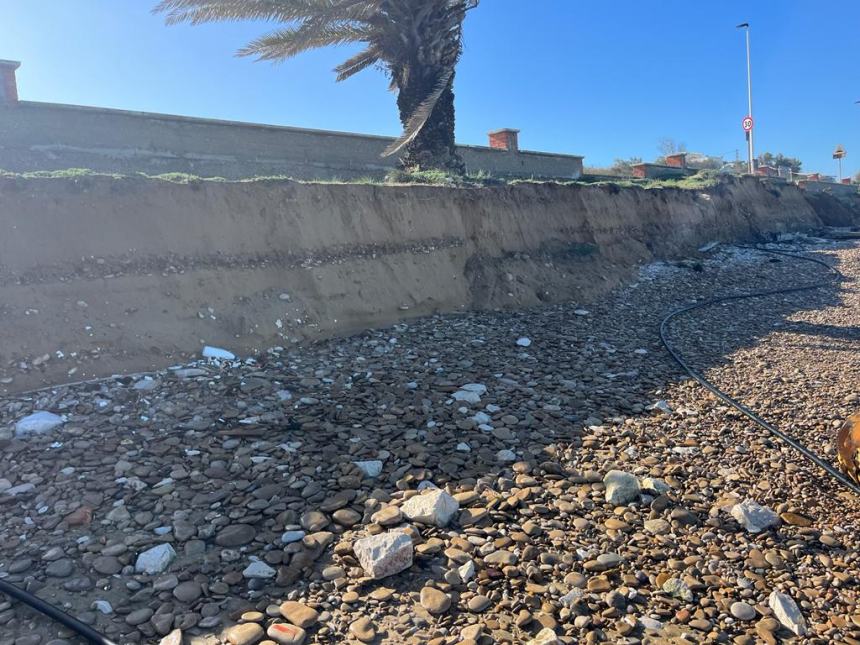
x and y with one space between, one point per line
417 42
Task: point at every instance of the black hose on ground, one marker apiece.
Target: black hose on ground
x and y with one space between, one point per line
82 630
803 450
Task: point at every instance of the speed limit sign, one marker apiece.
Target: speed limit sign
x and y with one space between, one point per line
748 124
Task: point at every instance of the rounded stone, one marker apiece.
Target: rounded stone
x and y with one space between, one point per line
244 634
299 613
107 565
363 629
286 634
743 611
187 591
478 603
435 601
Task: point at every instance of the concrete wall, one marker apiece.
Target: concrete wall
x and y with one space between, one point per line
102 275
44 136
841 191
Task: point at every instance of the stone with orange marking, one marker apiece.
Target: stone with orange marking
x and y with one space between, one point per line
286 634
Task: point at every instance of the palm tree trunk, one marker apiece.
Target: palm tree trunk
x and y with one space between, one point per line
434 147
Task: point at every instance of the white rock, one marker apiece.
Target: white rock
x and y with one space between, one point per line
426 485
155 560
260 570
467 396
581 312
482 417
434 507
173 638
39 422
572 597
478 388
218 353
461 447
787 612
661 406
466 571
621 488
546 636
370 469
524 342
5 485
103 607
678 588
384 554
189 372
650 623
506 456
146 384
657 485
754 517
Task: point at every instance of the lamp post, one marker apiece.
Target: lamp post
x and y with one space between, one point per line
746 27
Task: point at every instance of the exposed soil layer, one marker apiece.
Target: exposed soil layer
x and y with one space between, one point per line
101 275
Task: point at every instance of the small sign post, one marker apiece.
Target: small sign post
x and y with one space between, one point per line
748 124
840 154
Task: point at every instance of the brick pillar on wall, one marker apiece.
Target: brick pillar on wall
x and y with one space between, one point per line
8 84
677 160
506 139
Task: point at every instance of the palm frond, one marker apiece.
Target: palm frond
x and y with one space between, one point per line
421 114
357 63
197 12
312 34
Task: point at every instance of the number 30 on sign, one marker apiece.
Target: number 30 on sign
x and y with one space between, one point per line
748 124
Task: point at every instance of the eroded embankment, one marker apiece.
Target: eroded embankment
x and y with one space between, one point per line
100 274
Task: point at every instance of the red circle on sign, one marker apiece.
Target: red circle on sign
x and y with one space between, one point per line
747 123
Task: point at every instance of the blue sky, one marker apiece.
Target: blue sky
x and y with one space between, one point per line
603 79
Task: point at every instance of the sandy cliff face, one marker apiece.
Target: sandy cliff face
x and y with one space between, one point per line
99 275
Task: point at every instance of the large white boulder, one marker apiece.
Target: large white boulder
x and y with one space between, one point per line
434 506
385 554
39 422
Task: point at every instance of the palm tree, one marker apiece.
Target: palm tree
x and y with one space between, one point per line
417 42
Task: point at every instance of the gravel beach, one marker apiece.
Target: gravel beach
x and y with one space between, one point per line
545 476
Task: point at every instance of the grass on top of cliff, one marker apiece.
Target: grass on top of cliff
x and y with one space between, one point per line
702 180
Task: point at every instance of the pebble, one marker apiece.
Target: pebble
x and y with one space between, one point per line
244 634
435 601
743 611
363 629
299 613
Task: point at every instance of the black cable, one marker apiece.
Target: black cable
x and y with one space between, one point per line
82 630
803 450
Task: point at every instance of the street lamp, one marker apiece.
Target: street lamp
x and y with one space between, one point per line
746 27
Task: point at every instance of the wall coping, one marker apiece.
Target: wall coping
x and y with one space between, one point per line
260 126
